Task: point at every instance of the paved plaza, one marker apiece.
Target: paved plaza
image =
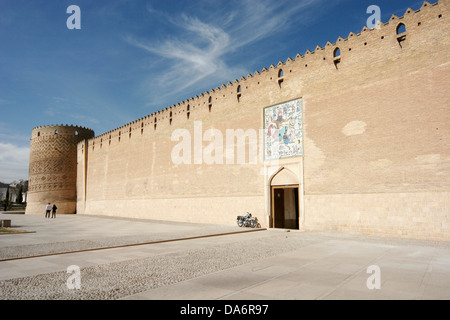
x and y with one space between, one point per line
156 260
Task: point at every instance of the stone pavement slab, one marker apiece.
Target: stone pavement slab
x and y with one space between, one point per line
81 232
263 265
332 269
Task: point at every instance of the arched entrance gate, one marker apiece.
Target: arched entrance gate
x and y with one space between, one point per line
284 197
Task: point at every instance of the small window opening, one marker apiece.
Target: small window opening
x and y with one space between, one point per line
337 57
119 135
401 34
188 109
56 131
280 73
142 128
337 53
280 77
239 90
401 28
129 134
39 134
210 104
109 139
76 133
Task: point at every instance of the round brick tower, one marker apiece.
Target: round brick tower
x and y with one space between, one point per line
53 167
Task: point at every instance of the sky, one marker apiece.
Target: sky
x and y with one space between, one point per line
130 58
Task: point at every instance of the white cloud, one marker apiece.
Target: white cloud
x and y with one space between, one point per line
198 58
13 162
9 133
197 54
85 119
4 102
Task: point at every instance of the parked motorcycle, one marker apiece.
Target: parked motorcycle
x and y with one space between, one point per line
248 221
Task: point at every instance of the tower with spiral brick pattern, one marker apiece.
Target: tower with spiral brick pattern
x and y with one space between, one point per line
53 167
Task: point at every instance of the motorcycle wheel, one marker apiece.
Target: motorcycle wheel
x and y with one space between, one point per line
240 223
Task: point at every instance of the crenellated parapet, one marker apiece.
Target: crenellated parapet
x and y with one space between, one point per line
61 126
78 132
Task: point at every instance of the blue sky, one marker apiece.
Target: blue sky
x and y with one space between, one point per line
133 57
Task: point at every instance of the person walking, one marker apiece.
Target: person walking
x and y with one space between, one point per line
54 211
48 208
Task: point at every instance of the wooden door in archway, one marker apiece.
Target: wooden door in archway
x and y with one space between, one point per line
285 207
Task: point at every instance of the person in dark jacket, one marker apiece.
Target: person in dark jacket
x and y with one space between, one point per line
54 211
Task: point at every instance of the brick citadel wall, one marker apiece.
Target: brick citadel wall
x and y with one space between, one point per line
376 140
